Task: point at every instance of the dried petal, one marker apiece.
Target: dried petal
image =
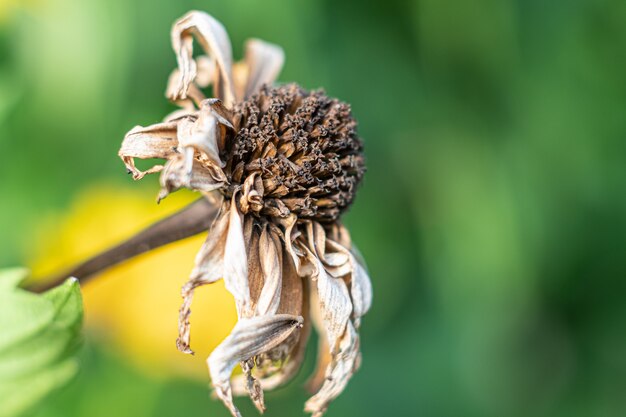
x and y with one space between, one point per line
343 365
263 62
154 141
199 178
209 268
214 40
235 262
334 301
295 301
360 290
270 254
206 132
250 337
206 72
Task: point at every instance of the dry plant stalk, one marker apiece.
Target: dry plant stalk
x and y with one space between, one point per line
284 164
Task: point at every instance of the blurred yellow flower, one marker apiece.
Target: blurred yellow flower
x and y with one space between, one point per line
134 306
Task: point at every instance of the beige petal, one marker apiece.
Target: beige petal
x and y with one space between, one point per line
262 64
337 259
236 263
324 357
176 115
194 97
206 132
270 254
334 302
338 373
214 40
209 268
199 178
294 301
250 337
205 73
256 279
154 141
360 290
302 264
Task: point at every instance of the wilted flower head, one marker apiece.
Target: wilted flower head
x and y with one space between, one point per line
285 164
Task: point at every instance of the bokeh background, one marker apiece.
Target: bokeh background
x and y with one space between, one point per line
493 214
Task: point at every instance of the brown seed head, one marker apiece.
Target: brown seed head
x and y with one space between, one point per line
294 151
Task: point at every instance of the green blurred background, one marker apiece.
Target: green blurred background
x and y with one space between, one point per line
493 214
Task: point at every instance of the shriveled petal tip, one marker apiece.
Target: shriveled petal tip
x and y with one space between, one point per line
214 40
338 372
263 62
154 141
249 338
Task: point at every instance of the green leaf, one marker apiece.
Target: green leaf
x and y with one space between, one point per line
40 334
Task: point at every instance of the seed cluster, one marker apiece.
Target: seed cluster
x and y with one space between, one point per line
303 149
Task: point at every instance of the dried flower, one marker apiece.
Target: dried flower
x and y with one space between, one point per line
285 164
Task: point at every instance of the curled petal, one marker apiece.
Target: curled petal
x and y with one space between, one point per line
250 337
206 132
262 64
360 290
294 300
334 303
270 254
300 261
236 263
199 178
214 40
205 73
154 141
343 365
194 97
337 259
209 268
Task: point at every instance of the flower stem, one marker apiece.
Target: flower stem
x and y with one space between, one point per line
192 220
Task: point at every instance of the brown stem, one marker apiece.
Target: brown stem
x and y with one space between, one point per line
193 219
